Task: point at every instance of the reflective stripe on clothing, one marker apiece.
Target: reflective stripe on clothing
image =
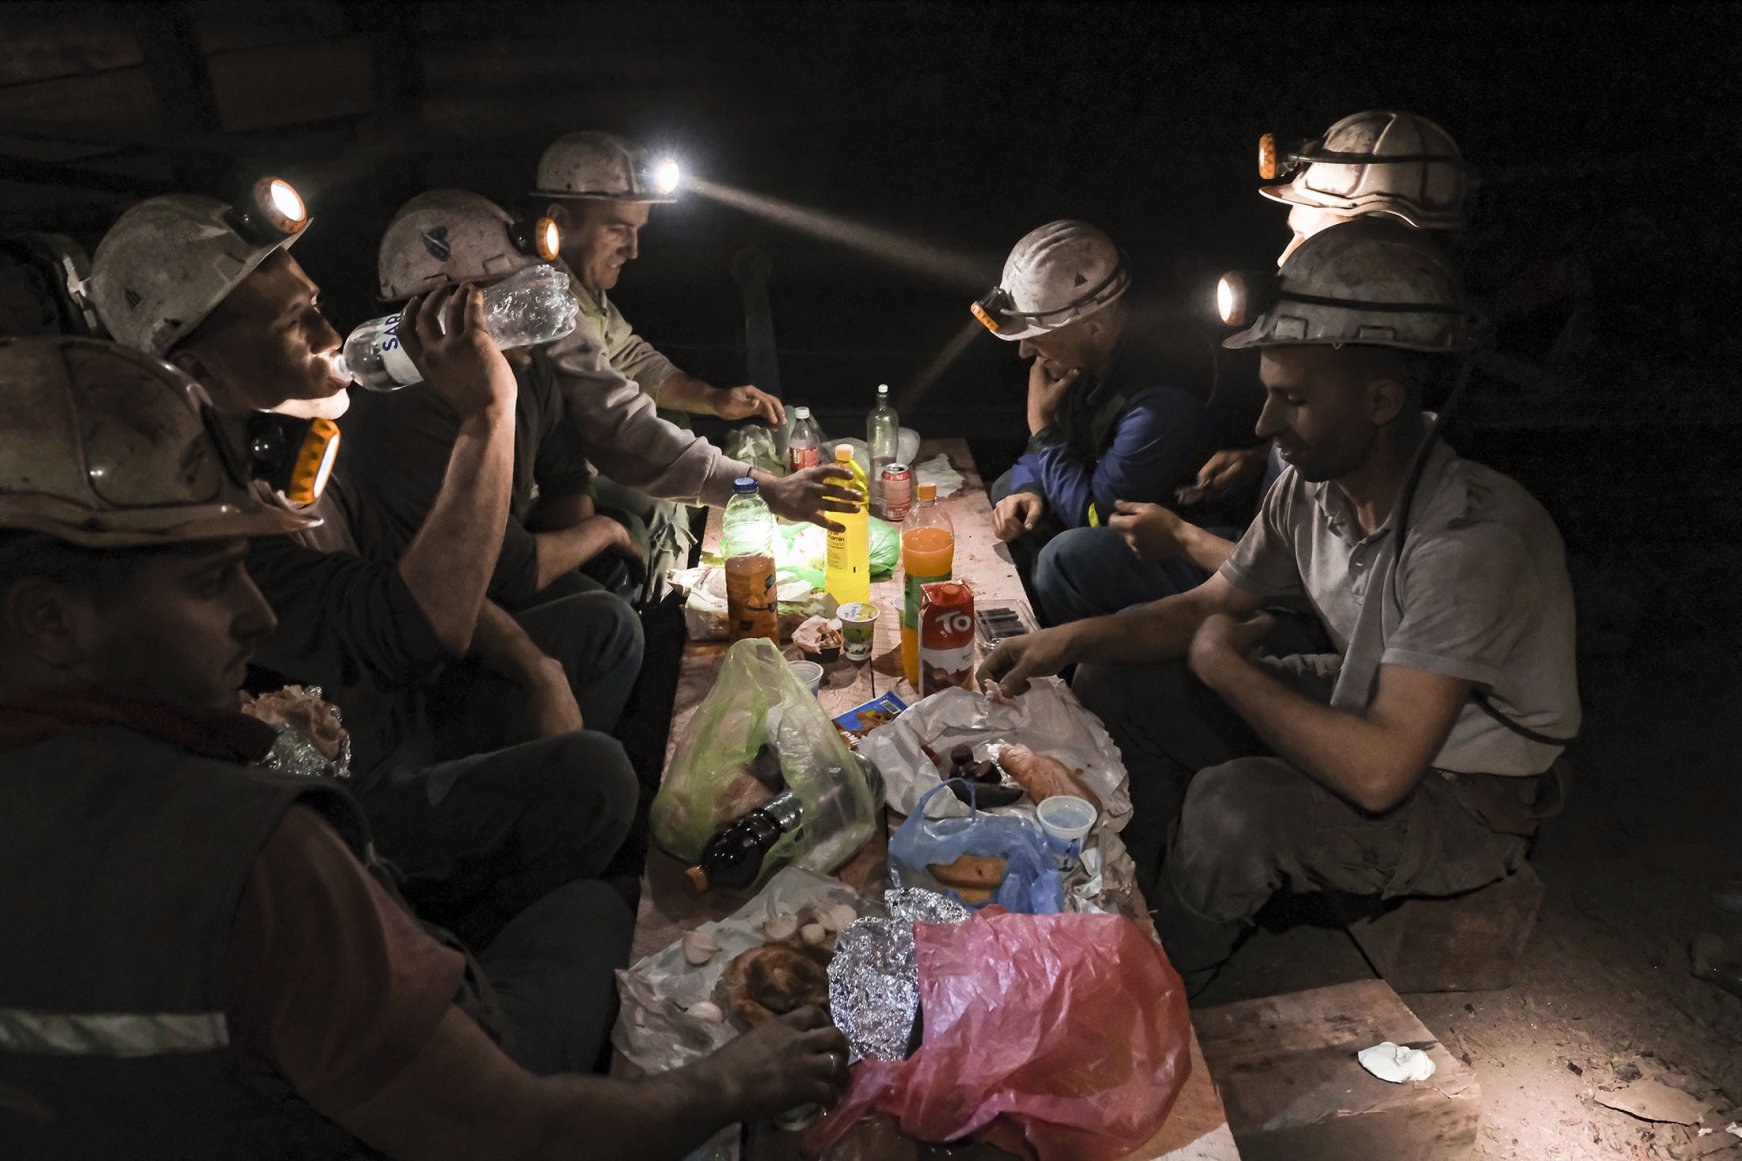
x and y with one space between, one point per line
111 1033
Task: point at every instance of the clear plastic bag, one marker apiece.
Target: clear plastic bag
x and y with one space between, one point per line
1031 874
1063 1037
757 700
754 444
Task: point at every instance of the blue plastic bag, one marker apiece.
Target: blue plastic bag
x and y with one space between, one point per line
1031 886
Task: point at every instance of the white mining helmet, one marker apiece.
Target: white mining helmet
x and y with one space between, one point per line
1371 282
1058 273
1377 162
112 448
591 164
169 261
452 235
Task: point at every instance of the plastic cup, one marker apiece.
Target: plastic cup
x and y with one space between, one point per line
1066 819
859 627
811 674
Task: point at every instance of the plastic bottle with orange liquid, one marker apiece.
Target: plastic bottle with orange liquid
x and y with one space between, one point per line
928 551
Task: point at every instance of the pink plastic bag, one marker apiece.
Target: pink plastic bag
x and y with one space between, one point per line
1067 1034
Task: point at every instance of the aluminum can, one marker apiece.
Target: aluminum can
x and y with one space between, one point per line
946 636
897 491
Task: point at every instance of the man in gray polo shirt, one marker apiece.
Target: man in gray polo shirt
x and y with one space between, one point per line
1414 760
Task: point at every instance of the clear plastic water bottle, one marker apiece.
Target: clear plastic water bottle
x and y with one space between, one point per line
525 309
804 446
883 438
747 540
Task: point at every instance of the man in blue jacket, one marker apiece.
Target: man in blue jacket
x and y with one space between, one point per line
1113 416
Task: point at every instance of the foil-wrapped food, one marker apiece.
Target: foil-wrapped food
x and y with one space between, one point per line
312 741
874 977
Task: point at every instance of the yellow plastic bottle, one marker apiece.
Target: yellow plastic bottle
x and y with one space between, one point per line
847 568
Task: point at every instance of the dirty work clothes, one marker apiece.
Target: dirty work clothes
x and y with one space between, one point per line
1482 594
481 838
397 447
630 355
1134 443
1219 827
195 953
347 623
554 969
594 636
1088 572
1140 429
625 436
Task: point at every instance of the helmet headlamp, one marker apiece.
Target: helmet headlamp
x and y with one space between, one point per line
993 309
996 309
1235 294
270 212
543 238
1276 162
664 176
294 457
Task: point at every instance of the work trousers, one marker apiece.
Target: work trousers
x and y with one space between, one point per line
482 838
1220 824
661 528
594 636
1089 572
554 973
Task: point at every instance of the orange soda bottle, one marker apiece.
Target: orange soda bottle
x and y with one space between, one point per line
928 551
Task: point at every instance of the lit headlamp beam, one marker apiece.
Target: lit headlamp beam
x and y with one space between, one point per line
666 176
947 264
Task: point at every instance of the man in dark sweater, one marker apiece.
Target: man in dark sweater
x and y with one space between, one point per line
201 958
488 801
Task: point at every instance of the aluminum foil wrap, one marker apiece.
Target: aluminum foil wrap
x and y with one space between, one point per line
312 740
874 977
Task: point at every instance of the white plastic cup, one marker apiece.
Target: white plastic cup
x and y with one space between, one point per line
1066 819
811 674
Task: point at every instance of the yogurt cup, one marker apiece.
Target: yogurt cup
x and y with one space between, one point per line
859 627
810 673
1066 819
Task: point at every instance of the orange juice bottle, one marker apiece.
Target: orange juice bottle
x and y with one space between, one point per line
928 550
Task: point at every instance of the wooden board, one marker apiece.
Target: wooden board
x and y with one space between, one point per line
1196 1130
1295 1092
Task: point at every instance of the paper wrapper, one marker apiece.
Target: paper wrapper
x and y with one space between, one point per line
653 1031
1050 720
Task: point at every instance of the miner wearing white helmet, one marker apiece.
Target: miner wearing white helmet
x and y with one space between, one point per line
1113 417
1400 165
1416 758
401 440
219 964
500 773
600 190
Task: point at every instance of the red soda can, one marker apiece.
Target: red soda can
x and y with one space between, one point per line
897 491
946 636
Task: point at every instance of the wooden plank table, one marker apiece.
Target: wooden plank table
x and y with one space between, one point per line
1196 1130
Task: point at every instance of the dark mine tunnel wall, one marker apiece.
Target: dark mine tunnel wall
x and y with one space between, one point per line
1602 137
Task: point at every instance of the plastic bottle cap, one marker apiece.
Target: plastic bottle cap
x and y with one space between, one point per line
744 486
801 412
882 388
843 452
928 492
698 879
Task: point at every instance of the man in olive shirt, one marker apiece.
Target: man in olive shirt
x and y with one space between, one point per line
600 190
1415 759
